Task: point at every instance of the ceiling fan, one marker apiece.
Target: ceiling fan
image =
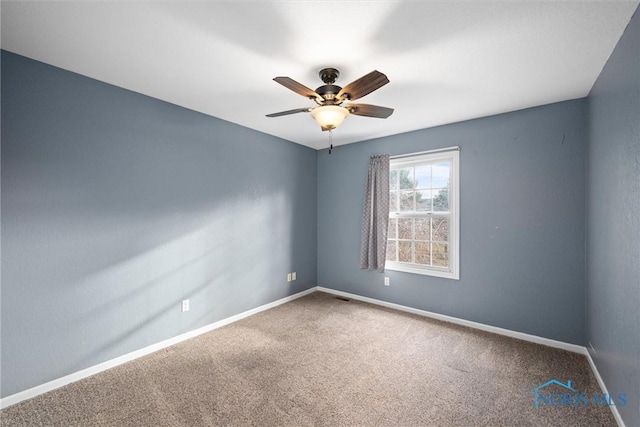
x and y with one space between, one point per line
330 111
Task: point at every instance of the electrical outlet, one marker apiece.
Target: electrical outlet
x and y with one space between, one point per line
293 276
185 305
288 277
386 281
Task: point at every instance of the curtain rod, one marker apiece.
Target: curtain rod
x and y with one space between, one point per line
439 150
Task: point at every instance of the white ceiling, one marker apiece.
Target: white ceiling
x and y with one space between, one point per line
447 61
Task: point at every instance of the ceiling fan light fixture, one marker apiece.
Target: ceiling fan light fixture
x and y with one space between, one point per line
329 116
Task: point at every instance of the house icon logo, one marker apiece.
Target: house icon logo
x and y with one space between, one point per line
537 392
567 396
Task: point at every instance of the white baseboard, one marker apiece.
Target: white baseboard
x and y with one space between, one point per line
67 379
481 326
603 387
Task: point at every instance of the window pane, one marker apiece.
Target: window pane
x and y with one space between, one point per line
440 175
393 201
391 233
406 201
405 251
423 200
423 255
393 179
440 230
441 200
423 176
422 229
440 254
405 176
391 250
405 228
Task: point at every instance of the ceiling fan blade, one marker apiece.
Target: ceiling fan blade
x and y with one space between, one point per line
284 113
368 110
364 85
298 88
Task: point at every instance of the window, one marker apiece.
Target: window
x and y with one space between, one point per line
423 214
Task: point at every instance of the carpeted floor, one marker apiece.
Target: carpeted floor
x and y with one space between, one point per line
322 361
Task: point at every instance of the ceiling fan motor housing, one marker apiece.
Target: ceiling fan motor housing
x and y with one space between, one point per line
328 92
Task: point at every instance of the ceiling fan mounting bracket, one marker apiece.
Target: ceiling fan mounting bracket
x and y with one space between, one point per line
329 75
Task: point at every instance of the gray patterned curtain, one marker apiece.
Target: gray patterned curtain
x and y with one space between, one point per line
375 215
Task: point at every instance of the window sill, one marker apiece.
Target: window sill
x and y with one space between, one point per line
425 271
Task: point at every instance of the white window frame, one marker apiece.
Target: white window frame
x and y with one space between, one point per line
453 272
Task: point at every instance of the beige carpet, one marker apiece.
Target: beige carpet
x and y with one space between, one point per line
321 361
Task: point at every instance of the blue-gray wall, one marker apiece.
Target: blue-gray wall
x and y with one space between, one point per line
522 222
116 206
613 222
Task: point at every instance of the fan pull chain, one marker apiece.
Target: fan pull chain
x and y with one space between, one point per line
330 141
